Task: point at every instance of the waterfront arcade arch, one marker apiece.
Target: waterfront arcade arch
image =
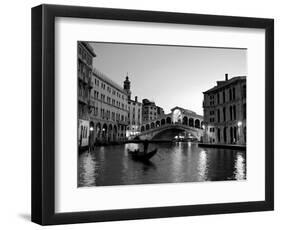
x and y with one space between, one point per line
98 132
110 130
115 133
122 131
92 134
107 133
104 132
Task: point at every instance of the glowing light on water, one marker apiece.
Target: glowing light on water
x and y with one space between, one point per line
202 166
88 170
240 172
131 147
174 162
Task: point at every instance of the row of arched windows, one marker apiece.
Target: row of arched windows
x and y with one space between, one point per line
185 121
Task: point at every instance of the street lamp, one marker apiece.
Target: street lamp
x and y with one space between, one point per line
239 123
91 141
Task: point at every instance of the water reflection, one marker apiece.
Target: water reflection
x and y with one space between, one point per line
240 167
174 162
202 166
87 170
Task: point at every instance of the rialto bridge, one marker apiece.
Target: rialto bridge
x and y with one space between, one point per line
178 121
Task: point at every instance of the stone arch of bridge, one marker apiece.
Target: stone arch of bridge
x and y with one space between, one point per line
175 131
175 128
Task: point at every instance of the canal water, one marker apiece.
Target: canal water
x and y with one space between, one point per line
173 163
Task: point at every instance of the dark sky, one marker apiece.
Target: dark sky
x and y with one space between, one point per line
169 75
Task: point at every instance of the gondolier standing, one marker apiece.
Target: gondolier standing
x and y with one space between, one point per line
145 146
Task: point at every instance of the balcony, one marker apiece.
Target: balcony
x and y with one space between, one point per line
91 103
80 76
122 122
83 116
83 99
83 78
92 116
91 83
86 80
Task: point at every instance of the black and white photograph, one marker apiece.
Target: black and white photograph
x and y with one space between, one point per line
147 113
151 114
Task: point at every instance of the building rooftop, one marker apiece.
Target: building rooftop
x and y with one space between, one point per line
133 101
186 111
148 102
89 48
103 77
222 84
180 108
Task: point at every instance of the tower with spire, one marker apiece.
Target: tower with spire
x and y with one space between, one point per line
127 87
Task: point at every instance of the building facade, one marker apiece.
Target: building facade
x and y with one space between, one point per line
225 112
84 72
150 111
160 112
134 112
134 118
109 110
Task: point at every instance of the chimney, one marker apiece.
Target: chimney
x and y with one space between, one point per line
136 99
226 76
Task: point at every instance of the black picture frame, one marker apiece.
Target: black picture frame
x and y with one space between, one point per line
43 114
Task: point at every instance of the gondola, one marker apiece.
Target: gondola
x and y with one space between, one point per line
142 156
